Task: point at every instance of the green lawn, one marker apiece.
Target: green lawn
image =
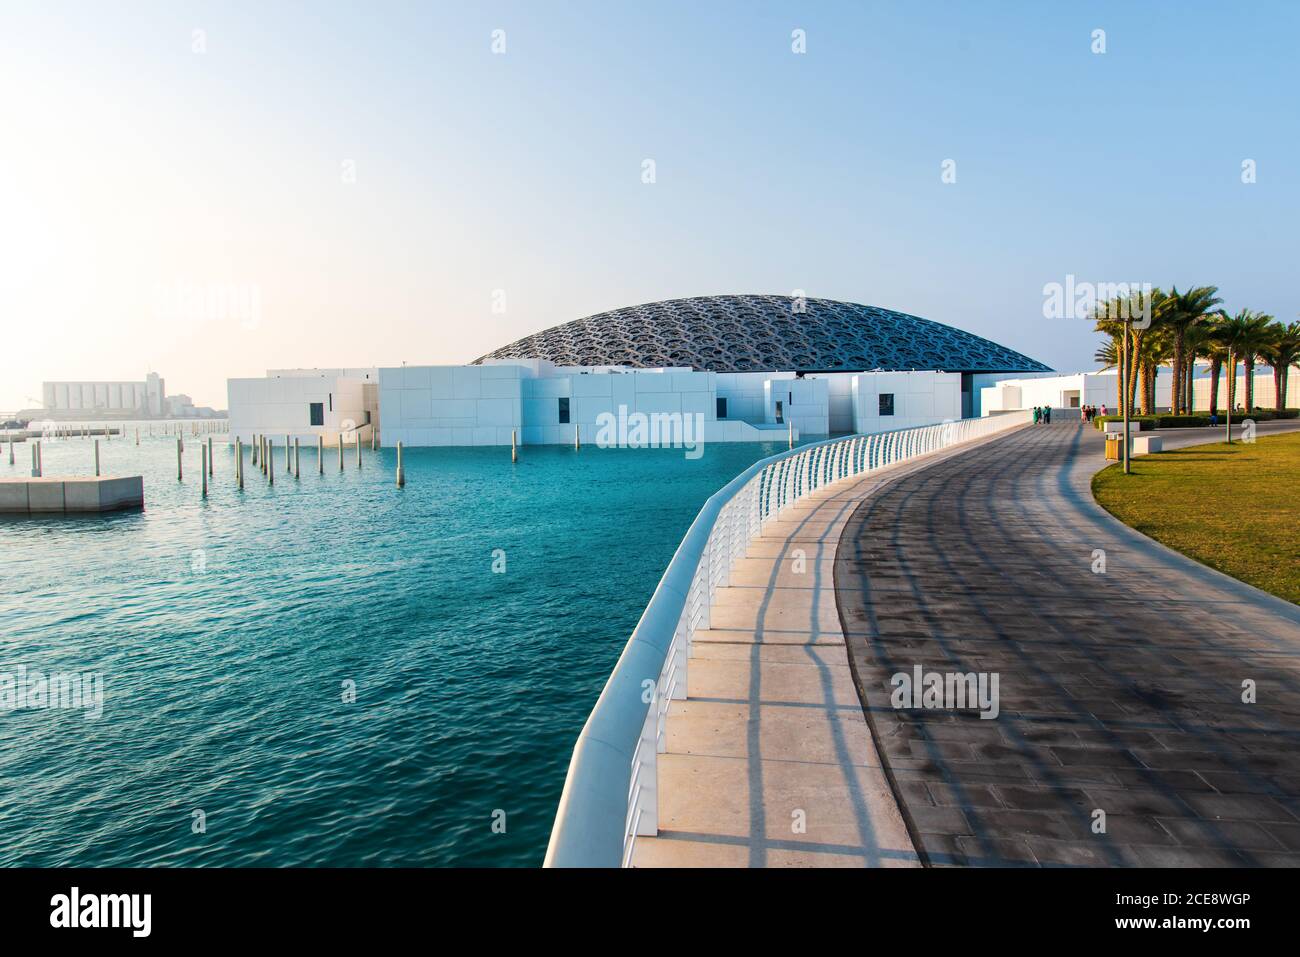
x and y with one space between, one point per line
1232 507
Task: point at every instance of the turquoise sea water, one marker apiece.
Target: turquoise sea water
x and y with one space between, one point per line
225 630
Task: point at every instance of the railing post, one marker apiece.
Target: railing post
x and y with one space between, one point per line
645 809
702 588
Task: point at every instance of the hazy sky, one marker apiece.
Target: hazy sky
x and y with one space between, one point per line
182 202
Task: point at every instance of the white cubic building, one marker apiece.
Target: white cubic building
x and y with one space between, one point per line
303 404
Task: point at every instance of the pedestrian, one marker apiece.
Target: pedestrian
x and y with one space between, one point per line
1047 415
1036 413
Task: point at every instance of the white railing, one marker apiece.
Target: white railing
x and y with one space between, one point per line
611 795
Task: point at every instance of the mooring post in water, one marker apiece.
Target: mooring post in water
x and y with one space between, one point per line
203 467
179 449
36 466
40 459
514 452
297 457
358 441
373 440
209 455
340 451
253 445
577 437
96 457
401 475
137 435
792 434
287 464
270 461
11 450
320 455
239 462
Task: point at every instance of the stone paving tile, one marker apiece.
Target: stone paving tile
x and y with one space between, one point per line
1118 692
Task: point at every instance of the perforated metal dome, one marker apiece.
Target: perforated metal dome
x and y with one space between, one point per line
764 334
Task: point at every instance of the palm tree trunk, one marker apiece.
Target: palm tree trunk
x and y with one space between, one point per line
1279 389
1190 379
1148 387
1176 389
1214 385
1232 383
1131 373
1248 368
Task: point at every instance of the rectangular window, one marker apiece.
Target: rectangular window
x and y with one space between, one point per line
780 413
886 403
317 411
330 396
564 410
722 408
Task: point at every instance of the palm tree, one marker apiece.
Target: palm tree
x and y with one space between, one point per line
1200 345
1185 310
1259 339
1217 352
1158 347
1281 352
1110 318
1242 335
1107 354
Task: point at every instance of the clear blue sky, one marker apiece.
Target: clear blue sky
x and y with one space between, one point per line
134 168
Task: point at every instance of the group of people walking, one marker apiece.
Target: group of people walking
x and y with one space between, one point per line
1043 414
1090 412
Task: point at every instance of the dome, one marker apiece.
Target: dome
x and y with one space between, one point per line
764 334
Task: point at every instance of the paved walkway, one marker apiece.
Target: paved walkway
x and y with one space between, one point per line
1120 692
769 760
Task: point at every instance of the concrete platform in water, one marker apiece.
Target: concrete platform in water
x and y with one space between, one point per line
39 496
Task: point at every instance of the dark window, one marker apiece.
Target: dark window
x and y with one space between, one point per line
330 396
564 410
789 398
886 403
317 411
722 408
780 414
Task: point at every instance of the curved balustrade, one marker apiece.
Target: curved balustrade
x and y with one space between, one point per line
610 795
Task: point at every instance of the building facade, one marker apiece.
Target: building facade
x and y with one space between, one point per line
728 368
1101 389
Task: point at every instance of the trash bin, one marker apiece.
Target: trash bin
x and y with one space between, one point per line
1112 448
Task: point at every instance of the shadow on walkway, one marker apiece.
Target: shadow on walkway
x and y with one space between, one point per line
1120 691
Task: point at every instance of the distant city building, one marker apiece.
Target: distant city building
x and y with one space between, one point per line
145 399
137 398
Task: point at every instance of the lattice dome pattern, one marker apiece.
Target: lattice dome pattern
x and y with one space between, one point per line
764 334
